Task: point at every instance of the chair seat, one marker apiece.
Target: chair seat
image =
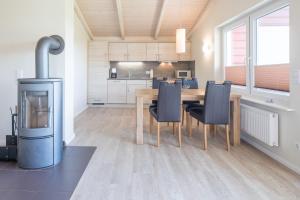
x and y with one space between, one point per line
152 105
198 113
153 112
188 107
190 102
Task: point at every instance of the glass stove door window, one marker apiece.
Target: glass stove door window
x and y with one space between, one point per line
235 55
35 110
271 66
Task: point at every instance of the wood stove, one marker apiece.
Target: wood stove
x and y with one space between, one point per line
40 103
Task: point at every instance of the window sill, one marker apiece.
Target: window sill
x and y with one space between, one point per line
270 105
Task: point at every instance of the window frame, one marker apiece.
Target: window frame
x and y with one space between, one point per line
269 93
251 26
225 30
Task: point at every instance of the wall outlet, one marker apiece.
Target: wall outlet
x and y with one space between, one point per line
148 72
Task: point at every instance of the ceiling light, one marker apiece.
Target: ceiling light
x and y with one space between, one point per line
180 40
180 33
130 63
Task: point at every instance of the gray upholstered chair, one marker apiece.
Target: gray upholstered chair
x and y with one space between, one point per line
187 105
168 108
155 85
216 108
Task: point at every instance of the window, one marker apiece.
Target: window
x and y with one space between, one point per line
272 51
236 50
263 39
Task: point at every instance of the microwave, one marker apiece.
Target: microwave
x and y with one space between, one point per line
183 74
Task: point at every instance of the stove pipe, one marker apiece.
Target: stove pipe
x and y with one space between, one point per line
54 45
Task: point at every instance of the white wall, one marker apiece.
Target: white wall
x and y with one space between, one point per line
80 67
208 68
22 24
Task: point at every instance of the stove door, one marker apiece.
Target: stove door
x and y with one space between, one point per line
35 110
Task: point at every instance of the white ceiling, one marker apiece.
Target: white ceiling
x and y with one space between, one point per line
155 18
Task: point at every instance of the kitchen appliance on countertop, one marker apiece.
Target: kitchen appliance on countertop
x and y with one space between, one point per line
113 73
186 74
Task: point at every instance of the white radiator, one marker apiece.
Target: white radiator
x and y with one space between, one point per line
261 124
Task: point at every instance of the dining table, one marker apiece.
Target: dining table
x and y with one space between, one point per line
148 94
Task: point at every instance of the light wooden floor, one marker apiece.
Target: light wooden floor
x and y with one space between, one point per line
120 169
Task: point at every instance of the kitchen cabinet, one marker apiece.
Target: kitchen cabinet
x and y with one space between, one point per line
152 52
147 52
149 83
118 52
116 91
132 85
98 72
167 52
136 51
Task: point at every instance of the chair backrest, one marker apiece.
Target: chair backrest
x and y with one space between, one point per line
156 81
169 101
190 83
217 103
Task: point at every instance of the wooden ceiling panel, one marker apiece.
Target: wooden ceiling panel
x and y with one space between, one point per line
182 13
140 17
101 16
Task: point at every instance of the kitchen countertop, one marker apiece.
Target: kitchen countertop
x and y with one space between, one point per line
126 78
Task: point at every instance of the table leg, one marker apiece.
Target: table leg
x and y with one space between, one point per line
139 120
235 126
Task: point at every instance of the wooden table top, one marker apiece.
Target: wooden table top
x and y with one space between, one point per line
186 94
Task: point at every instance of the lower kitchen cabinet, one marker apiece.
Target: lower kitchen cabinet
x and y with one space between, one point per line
132 85
97 84
116 91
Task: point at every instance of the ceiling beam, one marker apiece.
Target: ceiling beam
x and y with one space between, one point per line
120 17
160 18
83 21
197 22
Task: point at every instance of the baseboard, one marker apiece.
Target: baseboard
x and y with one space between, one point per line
113 106
69 139
81 111
271 154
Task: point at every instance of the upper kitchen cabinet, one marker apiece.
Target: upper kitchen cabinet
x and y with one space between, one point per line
167 52
152 52
187 56
118 52
136 51
98 52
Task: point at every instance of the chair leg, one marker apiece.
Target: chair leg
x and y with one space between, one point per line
205 136
183 113
190 125
168 123
187 116
151 124
158 134
173 128
215 130
227 137
198 122
212 129
179 134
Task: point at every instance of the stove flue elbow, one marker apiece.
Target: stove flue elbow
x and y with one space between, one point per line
54 45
